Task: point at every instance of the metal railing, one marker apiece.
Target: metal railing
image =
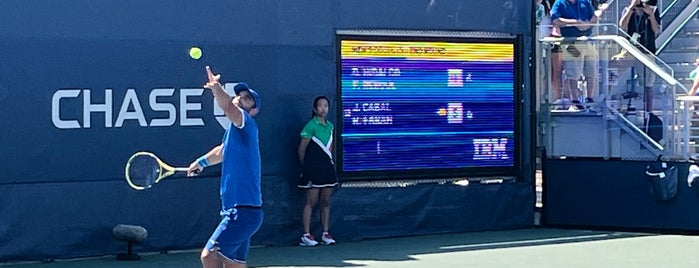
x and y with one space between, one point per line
614 121
670 31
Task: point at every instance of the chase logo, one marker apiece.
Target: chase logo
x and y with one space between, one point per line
162 107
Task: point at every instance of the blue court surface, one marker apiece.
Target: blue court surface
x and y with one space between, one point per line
512 248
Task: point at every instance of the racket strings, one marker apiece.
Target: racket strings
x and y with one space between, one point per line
143 170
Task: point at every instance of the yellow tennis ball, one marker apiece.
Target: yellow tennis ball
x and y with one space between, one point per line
195 53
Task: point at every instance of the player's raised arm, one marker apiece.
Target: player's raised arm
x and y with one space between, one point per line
229 106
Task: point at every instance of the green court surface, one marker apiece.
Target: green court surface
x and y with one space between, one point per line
542 248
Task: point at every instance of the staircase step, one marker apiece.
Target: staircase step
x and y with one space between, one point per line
683 42
687 49
672 12
692 25
675 56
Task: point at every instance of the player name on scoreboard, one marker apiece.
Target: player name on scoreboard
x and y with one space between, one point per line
358 114
374 72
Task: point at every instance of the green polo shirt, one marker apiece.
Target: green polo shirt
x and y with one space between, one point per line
316 129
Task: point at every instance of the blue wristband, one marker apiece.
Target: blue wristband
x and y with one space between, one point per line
203 162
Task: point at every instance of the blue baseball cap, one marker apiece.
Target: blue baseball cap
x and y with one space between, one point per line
240 87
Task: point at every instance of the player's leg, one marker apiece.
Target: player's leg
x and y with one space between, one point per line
307 238
311 201
235 240
325 194
210 259
239 258
209 255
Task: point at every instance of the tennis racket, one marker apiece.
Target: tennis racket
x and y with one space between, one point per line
144 169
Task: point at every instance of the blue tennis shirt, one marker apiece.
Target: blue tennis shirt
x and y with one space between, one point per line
241 170
580 10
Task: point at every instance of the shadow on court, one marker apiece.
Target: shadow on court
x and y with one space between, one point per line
513 248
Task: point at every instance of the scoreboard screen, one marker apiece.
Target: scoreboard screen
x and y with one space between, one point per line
425 107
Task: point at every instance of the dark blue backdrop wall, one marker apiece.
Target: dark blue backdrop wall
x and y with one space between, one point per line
85 84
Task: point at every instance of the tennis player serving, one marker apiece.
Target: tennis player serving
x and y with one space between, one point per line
241 196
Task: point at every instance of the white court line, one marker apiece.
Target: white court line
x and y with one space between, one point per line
524 242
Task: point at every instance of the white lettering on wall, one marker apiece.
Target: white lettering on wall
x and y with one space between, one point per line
130 109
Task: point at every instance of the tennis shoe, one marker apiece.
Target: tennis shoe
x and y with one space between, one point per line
693 174
561 104
327 239
308 240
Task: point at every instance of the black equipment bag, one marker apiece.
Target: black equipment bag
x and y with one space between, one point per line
663 180
653 127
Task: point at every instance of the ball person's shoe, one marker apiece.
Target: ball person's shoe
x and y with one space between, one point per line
327 239
307 240
693 174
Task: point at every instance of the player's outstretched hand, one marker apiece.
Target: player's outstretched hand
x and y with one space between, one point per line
213 78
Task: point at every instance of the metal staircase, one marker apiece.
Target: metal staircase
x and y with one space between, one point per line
613 135
678 43
678 46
